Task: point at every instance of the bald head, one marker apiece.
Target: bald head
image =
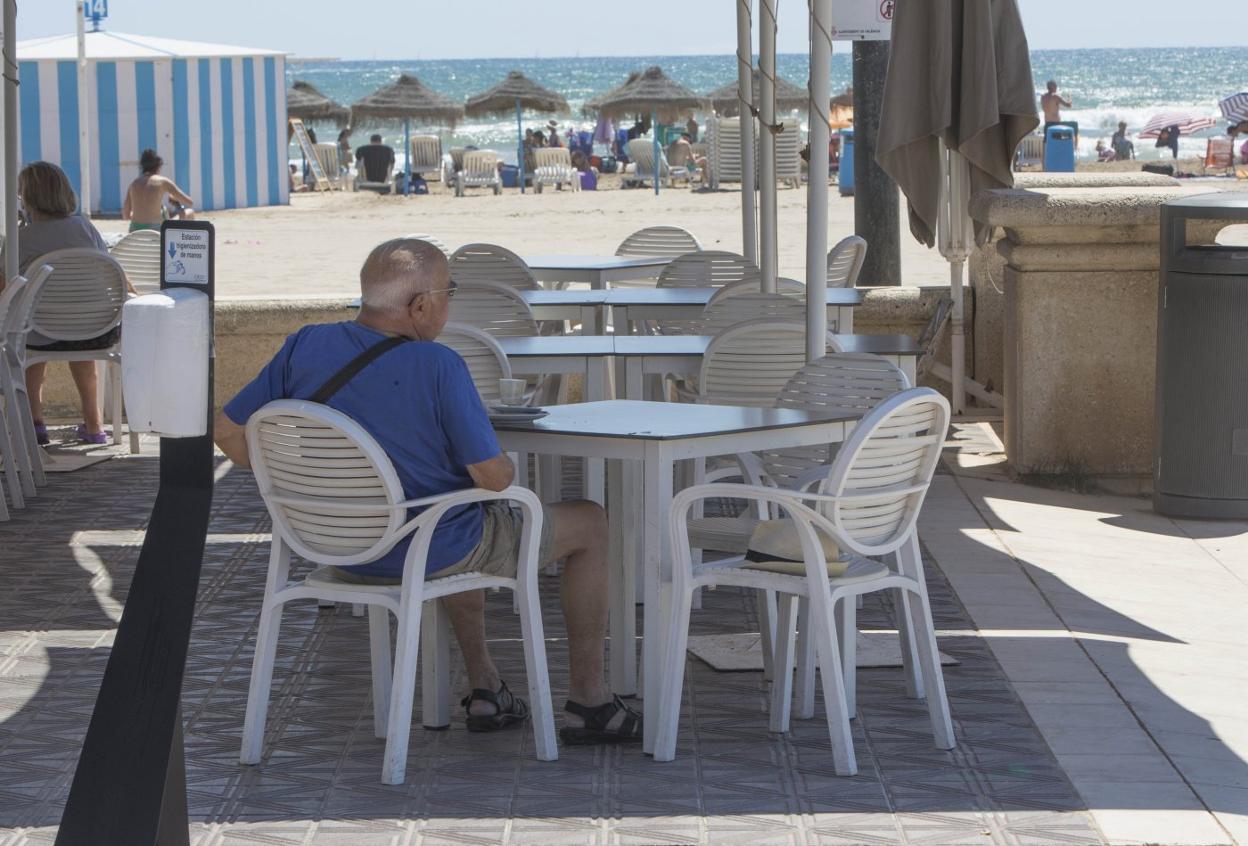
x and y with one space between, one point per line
396 271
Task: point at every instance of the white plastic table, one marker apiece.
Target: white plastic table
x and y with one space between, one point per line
653 436
631 305
596 271
585 306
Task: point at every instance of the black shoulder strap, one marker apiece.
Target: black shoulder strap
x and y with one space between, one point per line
354 366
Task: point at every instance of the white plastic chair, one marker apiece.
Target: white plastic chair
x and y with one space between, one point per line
82 299
668 241
868 505
490 263
788 287
480 170
704 269
554 167
494 308
23 467
641 154
426 153
845 261
336 500
729 311
487 363
139 255
432 240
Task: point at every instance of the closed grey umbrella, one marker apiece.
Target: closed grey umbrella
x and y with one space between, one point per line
655 93
724 100
305 101
958 100
516 92
406 99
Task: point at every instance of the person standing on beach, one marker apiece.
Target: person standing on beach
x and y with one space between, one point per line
1123 148
1052 103
144 205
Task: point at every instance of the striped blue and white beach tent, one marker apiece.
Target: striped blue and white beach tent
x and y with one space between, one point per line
215 113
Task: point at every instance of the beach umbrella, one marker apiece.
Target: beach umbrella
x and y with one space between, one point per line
1235 107
594 104
655 93
724 100
306 102
406 99
1187 120
517 92
841 110
958 100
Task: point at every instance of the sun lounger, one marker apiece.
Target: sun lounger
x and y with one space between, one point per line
1219 155
789 154
480 171
426 156
723 139
554 167
641 151
327 158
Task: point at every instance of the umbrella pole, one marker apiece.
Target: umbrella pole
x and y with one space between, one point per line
817 181
768 263
520 144
658 162
10 141
745 95
407 153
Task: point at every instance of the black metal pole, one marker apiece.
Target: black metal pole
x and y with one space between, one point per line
876 206
130 785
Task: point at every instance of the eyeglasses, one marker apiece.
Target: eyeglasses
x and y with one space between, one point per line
450 292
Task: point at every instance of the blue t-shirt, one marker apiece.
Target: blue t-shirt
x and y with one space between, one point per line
417 400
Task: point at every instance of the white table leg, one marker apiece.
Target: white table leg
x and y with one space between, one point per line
590 322
595 390
845 320
658 500
634 385
622 586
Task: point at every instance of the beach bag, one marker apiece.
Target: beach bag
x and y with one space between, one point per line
609 164
419 185
589 180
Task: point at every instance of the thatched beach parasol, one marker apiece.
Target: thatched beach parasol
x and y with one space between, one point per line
306 102
406 99
654 93
594 104
517 92
724 100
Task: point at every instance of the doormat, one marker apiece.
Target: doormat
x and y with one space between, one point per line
741 653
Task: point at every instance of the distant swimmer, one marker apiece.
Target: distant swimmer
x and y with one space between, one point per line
144 206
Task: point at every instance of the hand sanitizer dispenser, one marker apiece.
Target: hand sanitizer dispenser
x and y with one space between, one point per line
165 345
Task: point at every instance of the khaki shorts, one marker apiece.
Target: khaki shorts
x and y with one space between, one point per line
496 554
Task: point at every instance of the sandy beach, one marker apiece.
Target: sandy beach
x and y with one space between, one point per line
317 243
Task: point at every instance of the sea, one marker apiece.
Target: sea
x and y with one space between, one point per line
1105 86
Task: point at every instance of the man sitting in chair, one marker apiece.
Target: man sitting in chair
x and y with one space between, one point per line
418 400
374 164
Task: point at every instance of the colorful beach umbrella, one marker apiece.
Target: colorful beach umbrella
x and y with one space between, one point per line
517 92
1235 107
1187 120
725 101
406 99
655 93
305 101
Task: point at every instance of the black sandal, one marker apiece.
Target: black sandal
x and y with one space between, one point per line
509 709
598 727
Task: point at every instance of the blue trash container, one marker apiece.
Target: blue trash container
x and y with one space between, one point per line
845 175
1059 149
511 176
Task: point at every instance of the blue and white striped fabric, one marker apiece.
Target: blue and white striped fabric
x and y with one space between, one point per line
219 122
1235 107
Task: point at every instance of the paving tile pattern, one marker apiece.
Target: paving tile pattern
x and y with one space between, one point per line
732 782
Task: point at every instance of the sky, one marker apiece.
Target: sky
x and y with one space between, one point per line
431 29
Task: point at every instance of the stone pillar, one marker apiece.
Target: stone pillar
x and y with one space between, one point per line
1080 324
986 268
877 214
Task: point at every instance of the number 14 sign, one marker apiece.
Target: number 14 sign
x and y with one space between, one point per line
96 10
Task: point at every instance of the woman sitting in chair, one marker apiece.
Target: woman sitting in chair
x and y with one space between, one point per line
53 223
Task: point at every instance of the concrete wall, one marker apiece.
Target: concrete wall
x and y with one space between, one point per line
249 331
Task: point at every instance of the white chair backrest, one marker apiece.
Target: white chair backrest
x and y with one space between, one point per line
669 241
750 362
481 165
139 255
788 287
853 382
327 156
728 312
845 261
641 153
426 153
494 308
82 299
491 263
882 471
553 157
707 269
485 358
432 240
328 485
17 303
457 158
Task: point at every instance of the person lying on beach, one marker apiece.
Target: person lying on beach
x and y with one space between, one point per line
419 401
680 154
144 205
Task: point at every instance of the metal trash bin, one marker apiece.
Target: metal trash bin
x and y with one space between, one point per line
1201 440
1059 149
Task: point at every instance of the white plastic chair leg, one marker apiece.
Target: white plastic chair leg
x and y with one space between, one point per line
21 456
435 668
26 426
12 465
804 686
357 609
911 564
379 650
833 678
114 399
535 668
767 631
782 678
847 618
403 689
261 682
909 650
672 677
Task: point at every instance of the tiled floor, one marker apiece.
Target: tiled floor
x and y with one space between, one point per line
64 569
